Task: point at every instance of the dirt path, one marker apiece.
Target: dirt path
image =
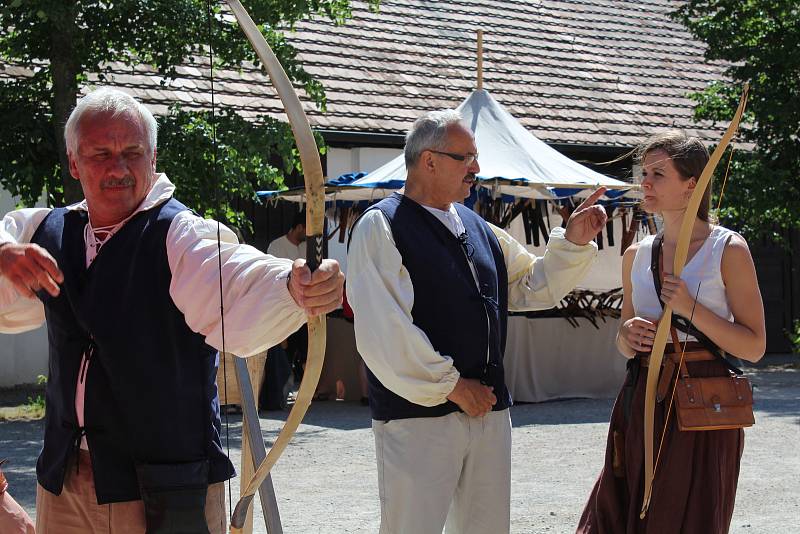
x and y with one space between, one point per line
326 481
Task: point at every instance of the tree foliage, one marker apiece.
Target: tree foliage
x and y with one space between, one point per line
241 154
50 47
760 40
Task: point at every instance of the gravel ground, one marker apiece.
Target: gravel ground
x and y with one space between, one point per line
326 480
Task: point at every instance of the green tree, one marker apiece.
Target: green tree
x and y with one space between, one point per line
760 40
50 47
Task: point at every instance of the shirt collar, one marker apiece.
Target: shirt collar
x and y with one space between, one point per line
162 190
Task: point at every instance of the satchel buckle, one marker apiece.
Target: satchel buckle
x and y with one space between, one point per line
716 402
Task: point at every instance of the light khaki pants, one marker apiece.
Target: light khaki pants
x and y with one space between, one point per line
453 470
76 511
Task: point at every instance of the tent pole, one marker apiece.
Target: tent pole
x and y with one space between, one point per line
480 60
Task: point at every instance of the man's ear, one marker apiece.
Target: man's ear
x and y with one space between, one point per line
73 167
428 161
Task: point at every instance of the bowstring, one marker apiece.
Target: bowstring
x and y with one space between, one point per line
728 167
215 164
675 382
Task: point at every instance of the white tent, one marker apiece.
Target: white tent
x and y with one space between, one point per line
516 162
512 160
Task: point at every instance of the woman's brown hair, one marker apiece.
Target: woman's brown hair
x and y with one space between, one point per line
689 156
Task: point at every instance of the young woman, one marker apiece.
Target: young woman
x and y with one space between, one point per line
695 482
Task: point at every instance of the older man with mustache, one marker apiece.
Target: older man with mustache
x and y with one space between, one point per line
431 284
129 283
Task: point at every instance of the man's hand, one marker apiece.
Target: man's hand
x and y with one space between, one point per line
473 397
587 220
320 292
30 268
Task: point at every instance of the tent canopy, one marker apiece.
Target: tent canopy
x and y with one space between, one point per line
512 160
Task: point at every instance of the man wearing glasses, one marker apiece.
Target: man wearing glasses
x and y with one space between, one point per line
430 284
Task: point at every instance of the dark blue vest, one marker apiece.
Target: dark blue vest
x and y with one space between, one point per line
151 395
460 321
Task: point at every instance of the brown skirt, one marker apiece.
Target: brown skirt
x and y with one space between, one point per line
695 483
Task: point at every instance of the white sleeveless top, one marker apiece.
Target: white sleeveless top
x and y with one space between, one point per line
704 268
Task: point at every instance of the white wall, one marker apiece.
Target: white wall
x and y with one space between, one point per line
22 356
359 159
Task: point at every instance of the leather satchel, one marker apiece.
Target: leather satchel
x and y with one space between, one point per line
713 402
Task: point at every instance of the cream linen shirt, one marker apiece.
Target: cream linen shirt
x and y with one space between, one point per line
380 291
283 248
259 311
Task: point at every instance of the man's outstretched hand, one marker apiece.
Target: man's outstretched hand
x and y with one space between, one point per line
473 397
320 292
30 268
587 219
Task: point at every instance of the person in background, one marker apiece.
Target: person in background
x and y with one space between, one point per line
289 245
286 360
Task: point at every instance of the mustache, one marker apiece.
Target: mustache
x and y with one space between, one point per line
125 181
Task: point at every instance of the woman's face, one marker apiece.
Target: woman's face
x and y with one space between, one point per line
663 186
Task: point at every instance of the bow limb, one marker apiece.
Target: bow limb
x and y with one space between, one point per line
664 323
315 193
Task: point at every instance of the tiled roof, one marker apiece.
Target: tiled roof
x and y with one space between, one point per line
599 72
594 72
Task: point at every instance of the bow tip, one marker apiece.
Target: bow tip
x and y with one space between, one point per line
239 515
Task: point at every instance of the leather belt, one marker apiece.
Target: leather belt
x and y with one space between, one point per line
695 352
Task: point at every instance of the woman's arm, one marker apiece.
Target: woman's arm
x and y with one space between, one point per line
627 302
635 334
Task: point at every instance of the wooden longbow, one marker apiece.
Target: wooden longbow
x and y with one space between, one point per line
660 341
315 213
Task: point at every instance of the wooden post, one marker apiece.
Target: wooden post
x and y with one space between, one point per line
480 60
248 469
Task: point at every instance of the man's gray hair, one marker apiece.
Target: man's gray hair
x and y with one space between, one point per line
429 132
115 102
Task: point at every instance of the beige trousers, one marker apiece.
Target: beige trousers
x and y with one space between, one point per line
76 511
453 470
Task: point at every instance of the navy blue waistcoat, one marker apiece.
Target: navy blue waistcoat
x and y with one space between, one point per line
448 306
151 395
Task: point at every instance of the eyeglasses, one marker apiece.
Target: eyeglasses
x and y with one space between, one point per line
468 159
